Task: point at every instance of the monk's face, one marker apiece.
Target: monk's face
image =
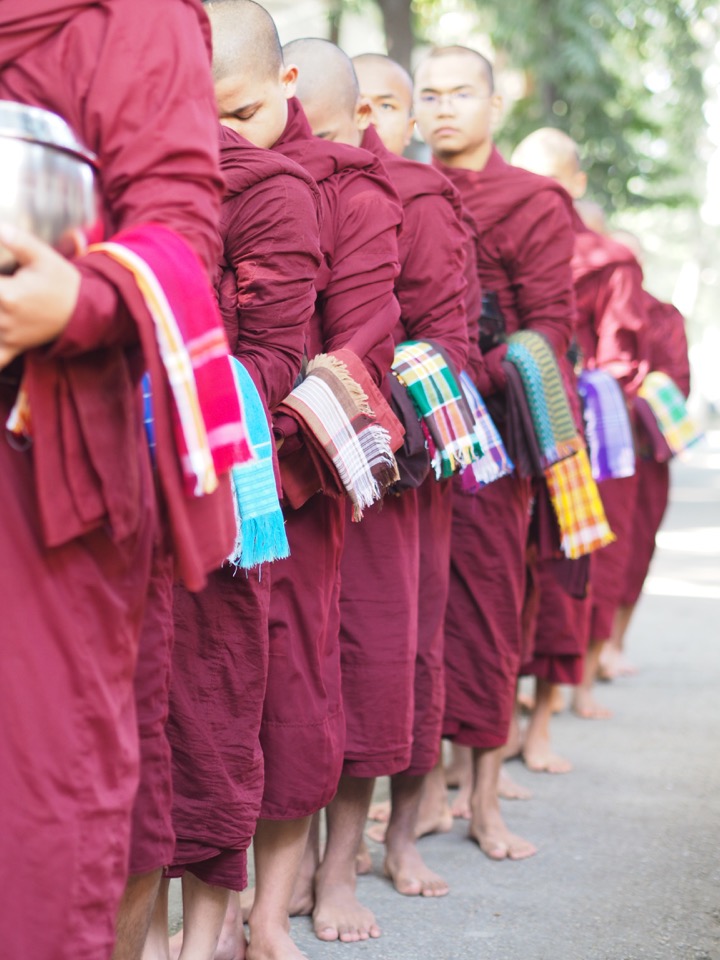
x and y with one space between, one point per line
256 107
387 92
454 106
330 121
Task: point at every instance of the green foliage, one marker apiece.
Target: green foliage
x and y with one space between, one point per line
622 77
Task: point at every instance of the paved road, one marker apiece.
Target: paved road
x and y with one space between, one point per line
629 865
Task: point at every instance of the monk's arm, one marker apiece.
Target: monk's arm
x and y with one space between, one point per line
359 307
432 285
157 137
271 242
621 326
543 278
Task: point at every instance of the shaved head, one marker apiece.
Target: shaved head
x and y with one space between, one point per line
327 87
552 153
482 63
592 215
388 88
244 38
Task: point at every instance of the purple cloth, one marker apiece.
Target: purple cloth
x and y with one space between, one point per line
607 425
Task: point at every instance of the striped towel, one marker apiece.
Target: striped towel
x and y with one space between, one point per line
334 410
607 425
261 536
438 398
578 507
495 462
209 433
555 429
670 410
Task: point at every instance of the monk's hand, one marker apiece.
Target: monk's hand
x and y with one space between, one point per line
36 303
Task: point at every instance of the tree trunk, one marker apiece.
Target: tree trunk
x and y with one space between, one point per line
399 32
335 12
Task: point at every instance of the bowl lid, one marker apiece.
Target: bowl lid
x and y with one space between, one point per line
20 121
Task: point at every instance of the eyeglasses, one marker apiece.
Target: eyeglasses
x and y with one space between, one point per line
454 99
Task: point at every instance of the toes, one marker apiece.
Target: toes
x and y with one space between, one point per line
327 933
377 833
407 886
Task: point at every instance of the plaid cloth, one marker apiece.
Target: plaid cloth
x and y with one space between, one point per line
578 507
334 409
670 410
534 359
438 398
209 433
261 536
495 462
607 426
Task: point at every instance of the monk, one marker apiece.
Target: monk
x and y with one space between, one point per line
380 563
389 90
302 732
611 335
668 354
524 250
265 281
69 769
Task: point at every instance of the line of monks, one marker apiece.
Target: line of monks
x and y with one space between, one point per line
263 697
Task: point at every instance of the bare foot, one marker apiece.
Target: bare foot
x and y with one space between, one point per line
363 861
508 789
498 843
526 702
338 915
176 942
460 806
411 876
586 706
247 899
380 812
540 759
558 700
273 945
429 821
614 664
231 945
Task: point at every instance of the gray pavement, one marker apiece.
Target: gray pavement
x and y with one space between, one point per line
628 865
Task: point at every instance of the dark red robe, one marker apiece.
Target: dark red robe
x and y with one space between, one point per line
669 354
303 728
266 281
612 333
72 612
380 562
524 247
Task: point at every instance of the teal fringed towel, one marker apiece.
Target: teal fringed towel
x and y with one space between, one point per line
555 429
261 536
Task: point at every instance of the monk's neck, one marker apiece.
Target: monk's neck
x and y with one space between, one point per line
474 159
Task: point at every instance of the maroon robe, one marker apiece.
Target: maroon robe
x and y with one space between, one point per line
72 611
524 248
379 597
270 229
612 333
669 354
303 728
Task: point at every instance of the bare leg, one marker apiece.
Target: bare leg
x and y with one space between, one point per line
462 777
584 703
279 847
157 946
509 789
204 908
434 814
338 915
487 826
302 901
363 860
613 662
136 911
537 753
403 863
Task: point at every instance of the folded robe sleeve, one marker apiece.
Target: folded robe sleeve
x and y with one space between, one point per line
621 325
270 234
358 306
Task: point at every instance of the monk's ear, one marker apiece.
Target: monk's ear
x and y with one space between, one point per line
363 114
579 185
496 110
410 130
288 79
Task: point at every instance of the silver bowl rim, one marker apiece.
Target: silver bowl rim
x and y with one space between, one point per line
73 148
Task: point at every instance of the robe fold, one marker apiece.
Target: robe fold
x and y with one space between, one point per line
669 354
269 224
380 592
524 248
73 612
303 726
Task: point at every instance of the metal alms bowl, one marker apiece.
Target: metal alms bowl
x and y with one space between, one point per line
47 179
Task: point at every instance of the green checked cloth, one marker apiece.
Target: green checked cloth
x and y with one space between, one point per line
669 408
448 423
